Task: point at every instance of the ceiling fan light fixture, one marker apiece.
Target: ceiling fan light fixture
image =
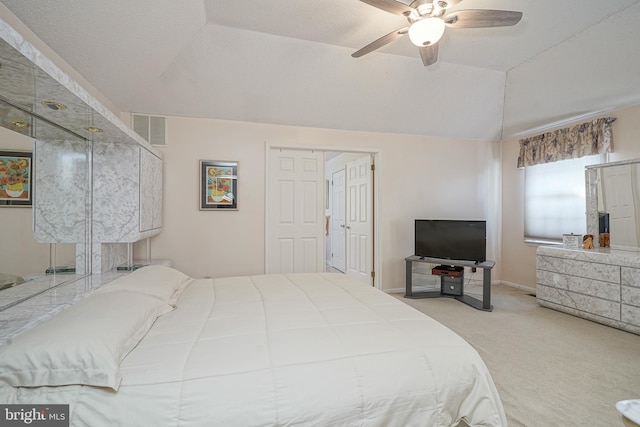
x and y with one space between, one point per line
426 31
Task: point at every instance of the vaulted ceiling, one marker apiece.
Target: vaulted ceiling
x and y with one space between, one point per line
289 62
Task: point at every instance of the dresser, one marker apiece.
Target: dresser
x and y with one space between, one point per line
602 285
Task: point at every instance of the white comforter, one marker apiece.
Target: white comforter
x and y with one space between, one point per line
300 349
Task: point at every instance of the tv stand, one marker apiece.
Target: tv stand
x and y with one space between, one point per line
453 286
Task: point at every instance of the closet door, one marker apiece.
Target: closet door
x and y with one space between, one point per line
359 220
295 211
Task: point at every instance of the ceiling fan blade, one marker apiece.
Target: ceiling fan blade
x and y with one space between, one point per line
482 18
429 54
391 6
377 44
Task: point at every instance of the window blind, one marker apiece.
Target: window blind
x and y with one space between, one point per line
555 199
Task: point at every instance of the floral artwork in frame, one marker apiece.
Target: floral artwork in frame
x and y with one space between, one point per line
218 185
16 178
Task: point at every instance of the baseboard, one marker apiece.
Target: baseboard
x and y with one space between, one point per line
518 286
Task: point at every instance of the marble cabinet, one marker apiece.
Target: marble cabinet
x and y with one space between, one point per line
150 192
127 201
62 188
602 285
127 193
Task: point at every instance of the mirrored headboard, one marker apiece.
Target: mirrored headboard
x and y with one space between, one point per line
613 192
48 244
60 126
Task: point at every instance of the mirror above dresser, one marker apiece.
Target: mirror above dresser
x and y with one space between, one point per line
613 203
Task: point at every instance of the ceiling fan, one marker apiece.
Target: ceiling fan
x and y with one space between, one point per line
427 22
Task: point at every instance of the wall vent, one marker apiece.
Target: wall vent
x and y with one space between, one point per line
151 128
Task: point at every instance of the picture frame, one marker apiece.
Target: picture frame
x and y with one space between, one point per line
218 185
16 178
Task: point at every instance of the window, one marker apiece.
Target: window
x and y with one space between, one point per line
554 202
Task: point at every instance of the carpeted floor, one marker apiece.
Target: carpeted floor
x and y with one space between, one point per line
550 368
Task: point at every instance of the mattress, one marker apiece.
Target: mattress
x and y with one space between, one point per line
297 349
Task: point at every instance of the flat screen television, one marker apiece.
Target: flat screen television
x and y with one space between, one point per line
451 239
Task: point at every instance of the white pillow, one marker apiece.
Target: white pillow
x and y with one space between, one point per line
84 344
160 281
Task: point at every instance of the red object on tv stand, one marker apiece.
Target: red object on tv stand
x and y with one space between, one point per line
445 270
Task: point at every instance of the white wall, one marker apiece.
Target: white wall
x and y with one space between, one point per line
418 177
518 258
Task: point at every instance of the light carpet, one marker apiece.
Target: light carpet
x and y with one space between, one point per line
550 368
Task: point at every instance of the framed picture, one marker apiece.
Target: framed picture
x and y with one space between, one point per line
218 185
16 178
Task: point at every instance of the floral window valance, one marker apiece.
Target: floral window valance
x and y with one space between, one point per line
586 139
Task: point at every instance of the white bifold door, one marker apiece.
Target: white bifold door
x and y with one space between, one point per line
359 221
351 219
295 211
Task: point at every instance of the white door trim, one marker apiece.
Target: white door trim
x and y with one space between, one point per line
375 152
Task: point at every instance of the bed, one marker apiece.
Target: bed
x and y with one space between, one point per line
159 348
